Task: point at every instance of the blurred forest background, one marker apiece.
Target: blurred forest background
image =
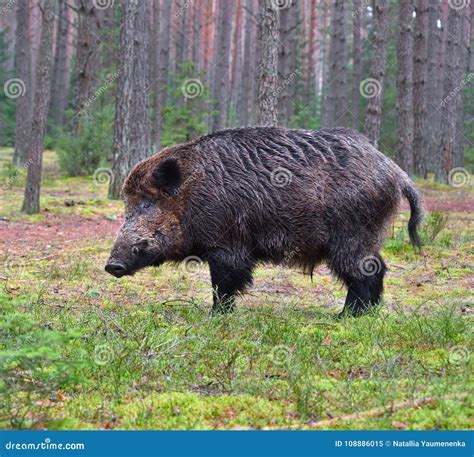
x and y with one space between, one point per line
107 83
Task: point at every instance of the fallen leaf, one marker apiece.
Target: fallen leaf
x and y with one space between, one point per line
399 425
327 340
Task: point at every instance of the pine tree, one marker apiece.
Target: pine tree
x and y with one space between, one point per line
373 116
131 127
404 151
267 113
31 202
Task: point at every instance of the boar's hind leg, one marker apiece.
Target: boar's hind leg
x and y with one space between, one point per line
229 274
364 291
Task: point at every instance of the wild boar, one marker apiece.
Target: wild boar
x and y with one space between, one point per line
238 197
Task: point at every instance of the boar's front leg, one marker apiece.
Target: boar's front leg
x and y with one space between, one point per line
230 273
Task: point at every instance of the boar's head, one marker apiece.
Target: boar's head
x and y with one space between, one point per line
151 232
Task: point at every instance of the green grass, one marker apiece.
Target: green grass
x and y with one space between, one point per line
82 350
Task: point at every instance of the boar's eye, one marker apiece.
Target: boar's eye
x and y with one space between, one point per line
138 247
146 205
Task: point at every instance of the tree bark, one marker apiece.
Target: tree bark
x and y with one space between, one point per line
221 65
236 74
87 57
419 80
356 62
163 69
433 92
197 35
373 116
181 34
60 80
31 203
452 82
131 128
267 113
404 152
247 85
336 105
287 63
23 72
312 63
460 99
471 43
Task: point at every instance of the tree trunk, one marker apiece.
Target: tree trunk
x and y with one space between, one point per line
36 18
31 203
207 38
60 81
452 82
247 74
312 63
356 62
268 65
236 74
9 30
163 69
197 35
374 87
87 57
419 80
326 111
404 152
337 100
181 34
221 64
287 63
471 43
433 92
460 99
23 72
131 128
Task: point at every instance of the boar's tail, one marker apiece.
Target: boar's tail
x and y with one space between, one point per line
411 194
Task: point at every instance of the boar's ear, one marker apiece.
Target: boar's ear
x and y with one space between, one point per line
167 176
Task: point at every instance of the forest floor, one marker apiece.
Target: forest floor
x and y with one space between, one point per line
80 349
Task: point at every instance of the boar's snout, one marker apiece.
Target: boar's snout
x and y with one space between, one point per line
116 269
132 253
122 258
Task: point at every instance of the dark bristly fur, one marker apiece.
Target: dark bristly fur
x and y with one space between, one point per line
220 198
